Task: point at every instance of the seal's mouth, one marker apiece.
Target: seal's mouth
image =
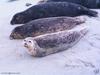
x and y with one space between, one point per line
25 45
31 51
19 22
16 36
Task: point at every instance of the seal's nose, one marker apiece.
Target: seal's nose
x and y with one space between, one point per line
25 45
11 37
12 23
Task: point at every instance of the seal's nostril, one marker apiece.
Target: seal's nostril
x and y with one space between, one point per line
25 43
11 22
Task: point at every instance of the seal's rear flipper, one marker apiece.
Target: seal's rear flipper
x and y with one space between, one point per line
92 13
84 31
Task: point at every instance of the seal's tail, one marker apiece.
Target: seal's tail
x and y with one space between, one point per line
92 13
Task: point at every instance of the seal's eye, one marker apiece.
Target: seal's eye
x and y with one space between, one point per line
18 17
25 40
30 41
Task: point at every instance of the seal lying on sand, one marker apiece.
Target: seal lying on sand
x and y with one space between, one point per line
52 9
86 3
45 25
47 44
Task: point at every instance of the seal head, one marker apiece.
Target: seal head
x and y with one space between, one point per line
20 18
33 48
17 33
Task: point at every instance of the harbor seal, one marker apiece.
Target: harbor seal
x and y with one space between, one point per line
47 44
45 25
52 9
87 3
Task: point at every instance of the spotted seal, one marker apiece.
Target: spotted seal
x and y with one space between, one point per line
45 25
52 9
47 44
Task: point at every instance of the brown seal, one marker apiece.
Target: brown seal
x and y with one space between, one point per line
45 25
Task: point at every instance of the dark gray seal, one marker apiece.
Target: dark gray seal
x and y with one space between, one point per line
87 3
45 25
47 44
52 9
